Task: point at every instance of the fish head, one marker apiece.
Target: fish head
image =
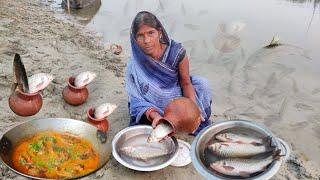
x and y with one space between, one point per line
215 147
223 137
218 166
153 138
222 167
127 149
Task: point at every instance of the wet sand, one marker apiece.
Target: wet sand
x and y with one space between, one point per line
62 47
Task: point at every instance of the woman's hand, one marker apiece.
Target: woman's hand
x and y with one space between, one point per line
156 121
153 116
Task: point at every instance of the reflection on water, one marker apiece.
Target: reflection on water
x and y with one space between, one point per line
226 39
277 86
315 2
83 15
78 4
315 5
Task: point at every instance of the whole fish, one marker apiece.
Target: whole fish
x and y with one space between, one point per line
104 110
39 81
243 167
161 131
20 79
84 78
144 151
239 138
226 149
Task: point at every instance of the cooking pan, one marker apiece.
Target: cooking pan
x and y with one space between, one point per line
100 142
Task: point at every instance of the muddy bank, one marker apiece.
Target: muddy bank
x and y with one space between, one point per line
64 48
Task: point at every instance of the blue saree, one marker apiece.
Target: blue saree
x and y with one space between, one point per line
152 83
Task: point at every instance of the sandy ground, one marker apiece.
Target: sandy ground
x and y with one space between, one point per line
64 48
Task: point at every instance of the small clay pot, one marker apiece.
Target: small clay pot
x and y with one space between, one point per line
74 95
183 114
102 124
25 104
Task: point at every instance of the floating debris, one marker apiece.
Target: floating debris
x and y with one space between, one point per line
274 42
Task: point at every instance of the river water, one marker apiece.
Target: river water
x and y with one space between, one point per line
225 39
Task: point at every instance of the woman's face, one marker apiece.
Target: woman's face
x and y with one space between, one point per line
148 39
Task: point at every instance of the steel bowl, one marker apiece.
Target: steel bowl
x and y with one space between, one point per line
101 144
138 134
201 157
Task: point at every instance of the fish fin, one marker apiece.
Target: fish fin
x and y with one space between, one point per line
228 168
244 174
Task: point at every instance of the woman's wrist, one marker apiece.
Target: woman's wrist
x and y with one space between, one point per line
151 113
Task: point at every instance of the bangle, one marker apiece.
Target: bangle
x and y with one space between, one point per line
149 111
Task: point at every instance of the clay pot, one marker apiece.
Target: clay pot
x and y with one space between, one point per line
102 124
74 95
183 114
25 104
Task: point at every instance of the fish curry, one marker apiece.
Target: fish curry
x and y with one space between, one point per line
54 155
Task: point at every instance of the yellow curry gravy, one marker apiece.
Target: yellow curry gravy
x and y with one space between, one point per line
54 155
